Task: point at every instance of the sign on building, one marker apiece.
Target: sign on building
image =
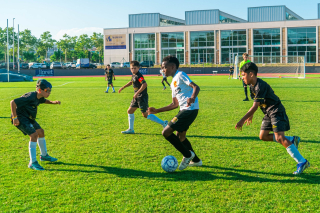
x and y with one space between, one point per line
44 72
115 41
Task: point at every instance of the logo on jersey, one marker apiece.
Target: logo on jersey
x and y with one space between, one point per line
175 84
174 120
141 79
274 126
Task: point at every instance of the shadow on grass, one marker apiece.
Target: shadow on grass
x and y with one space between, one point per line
4 117
215 173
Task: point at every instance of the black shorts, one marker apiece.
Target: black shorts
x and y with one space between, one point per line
276 123
140 102
231 73
28 126
182 121
164 78
110 81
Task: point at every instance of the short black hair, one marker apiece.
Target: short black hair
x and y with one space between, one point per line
43 84
135 63
171 59
250 67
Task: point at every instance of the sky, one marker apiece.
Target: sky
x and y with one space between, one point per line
76 17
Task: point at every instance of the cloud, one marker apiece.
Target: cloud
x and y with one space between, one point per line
77 32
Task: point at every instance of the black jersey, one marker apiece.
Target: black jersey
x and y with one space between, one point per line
137 81
27 105
231 70
109 74
270 104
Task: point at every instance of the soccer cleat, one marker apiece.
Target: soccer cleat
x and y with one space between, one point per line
164 88
106 91
48 158
35 165
185 161
296 141
247 99
128 131
195 163
301 167
165 124
113 91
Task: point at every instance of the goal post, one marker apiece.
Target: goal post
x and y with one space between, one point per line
275 66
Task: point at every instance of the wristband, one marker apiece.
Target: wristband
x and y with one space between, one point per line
15 118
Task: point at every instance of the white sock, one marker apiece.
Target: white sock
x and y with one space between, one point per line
154 118
131 121
42 145
33 151
295 154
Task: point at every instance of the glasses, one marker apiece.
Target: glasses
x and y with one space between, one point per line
47 90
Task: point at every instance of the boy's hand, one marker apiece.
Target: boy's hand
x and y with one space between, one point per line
16 122
56 102
136 95
152 110
190 101
239 125
120 89
114 79
249 121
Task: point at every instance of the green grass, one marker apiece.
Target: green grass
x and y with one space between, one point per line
102 170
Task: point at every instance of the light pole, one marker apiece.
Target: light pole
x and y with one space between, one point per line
8 48
18 51
13 45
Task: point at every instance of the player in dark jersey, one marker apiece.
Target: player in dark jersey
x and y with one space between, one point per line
23 116
245 60
275 118
231 70
164 78
140 98
108 76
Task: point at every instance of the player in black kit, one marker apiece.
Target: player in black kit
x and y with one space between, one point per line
140 98
108 76
23 116
275 118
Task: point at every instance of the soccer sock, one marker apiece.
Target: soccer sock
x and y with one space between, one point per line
131 121
107 89
113 89
33 151
187 144
42 145
154 118
295 154
245 91
163 84
174 140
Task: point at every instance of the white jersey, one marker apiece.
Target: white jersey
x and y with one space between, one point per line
162 73
182 91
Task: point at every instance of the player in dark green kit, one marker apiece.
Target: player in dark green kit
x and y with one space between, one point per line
140 98
275 118
23 116
108 76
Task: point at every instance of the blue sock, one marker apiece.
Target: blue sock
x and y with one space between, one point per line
113 89
107 89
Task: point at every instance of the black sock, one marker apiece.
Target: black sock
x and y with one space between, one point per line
174 140
246 92
163 84
187 144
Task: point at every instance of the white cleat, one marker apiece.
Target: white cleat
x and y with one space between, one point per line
185 161
165 124
128 131
195 164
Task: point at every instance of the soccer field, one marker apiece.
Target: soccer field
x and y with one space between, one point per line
101 170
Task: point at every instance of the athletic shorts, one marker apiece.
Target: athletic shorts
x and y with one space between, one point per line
164 78
243 83
110 81
140 102
182 121
27 126
231 73
276 123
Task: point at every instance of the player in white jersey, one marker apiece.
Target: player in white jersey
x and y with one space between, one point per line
184 94
164 78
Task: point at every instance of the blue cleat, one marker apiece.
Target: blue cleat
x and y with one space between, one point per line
296 141
48 158
301 167
35 165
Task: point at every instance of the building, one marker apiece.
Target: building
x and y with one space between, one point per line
213 36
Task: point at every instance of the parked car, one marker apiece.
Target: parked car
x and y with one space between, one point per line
146 64
115 65
92 66
24 65
4 65
125 64
55 65
37 66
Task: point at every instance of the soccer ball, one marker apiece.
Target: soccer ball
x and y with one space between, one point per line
169 163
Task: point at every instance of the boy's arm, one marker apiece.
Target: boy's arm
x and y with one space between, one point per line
15 120
171 106
114 78
52 102
128 84
196 90
249 114
143 87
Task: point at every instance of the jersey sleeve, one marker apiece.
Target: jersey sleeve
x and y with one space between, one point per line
185 79
141 79
42 100
173 92
23 100
260 92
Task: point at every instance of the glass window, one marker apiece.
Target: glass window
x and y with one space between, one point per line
232 41
227 20
202 47
173 44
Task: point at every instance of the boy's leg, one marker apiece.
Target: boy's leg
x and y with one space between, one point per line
33 147
107 89
43 147
154 118
113 91
167 82
187 144
130 112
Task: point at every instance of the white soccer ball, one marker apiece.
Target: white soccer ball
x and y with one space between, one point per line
169 163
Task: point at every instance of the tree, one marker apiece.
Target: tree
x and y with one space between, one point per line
64 44
97 41
83 44
46 41
57 55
